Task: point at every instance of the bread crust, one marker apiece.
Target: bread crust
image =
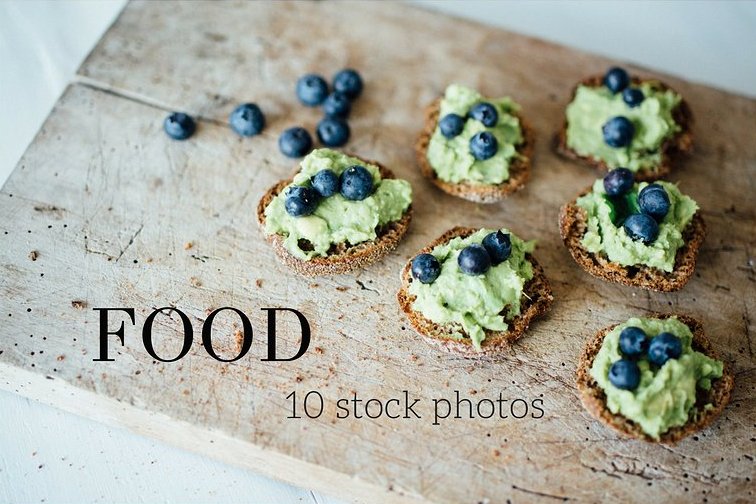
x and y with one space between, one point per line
536 301
572 227
341 258
672 149
519 170
594 399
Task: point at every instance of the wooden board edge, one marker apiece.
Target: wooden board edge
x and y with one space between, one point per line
206 442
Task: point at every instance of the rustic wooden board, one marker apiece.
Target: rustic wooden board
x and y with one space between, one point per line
108 203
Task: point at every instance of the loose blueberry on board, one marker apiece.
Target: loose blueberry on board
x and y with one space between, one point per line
485 113
426 268
499 247
312 89
451 125
641 227
247 120
483 145
654 201
618 132
616 79
295 142
349 82
337 105
179 126
618 181
633 97
356 183
624 374
333 131
474 260
300 201
663 347
633 342
325 182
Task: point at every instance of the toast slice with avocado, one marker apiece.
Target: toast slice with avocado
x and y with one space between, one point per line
341 256
573 225
519 168
707 406
534 302
673 147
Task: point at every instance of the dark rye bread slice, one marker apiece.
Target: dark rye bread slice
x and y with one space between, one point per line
594 399
671 150
342 257
572 227
536 301
519 170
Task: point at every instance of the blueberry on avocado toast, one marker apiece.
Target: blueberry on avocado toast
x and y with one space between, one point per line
470 298
634 233
664 389
474 147
337 214
616 121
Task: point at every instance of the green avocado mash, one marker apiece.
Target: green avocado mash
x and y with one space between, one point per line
665 396
604 235
594 106
474 303
336 219
450 158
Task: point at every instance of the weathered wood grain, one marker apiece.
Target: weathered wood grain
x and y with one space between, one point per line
110 205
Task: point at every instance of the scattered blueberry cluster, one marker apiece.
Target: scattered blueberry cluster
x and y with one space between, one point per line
619 131
333 129
312 90
651 207
634 344
483 145
246 120
355 183
474 259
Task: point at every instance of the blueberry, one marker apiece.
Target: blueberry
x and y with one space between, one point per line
624 374
663 347
633 342
349 82
295 142
654 201
333 131
325 182
499 247
337 105
474 260
451 125
485 113
641 227
247 120
312 90
300 201
618 132
483 145
426 268
616 79
356 183
179 126
618 181
633 97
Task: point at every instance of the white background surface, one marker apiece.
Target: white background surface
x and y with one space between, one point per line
50 456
